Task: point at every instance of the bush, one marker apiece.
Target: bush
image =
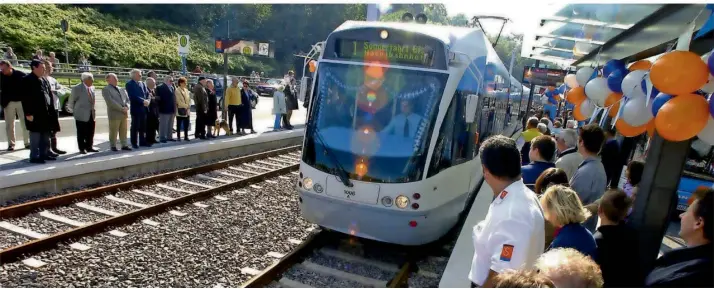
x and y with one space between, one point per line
108 41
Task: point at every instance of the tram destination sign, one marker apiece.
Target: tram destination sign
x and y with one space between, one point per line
543 76
394 53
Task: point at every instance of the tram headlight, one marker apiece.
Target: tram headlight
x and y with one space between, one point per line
387 201
318 188
307 183
402 202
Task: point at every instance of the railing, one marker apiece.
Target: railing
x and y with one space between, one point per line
74 71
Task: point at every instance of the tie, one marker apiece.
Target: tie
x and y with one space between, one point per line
89 93
406 127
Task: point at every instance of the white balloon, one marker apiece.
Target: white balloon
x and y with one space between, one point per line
587 108
707 134
632 84
597 91
571 81
636 113
583 75
709 86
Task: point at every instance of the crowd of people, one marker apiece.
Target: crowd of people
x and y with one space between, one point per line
542 228
152 106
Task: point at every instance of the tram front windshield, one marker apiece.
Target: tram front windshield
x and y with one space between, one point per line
373 122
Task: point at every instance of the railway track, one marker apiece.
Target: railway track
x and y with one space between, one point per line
330 260
93 211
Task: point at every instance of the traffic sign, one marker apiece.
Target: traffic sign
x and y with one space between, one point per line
65 25
183 42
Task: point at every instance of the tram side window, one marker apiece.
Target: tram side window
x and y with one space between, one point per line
442 157
461 133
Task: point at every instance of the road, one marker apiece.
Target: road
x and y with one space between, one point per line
68 127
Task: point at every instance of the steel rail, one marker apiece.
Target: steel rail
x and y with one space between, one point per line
67 199
15 253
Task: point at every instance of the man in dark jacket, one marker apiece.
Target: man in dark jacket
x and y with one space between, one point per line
39 111
139 97
617 253
167 108
689 267
610 156
200 99
11 96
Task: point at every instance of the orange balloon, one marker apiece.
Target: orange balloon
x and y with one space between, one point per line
629 131
651 128
614 100
577 114
640 65
682 117
679 72
576 95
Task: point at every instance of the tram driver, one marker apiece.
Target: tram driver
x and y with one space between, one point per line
406 123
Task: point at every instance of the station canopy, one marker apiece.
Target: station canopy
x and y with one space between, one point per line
573 31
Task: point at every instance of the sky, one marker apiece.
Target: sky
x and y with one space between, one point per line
524 18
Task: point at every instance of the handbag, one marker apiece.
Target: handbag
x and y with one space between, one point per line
182 112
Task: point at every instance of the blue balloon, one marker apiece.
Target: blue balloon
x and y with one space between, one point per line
614 80
711 102
659 101
710 63
612 66
655 91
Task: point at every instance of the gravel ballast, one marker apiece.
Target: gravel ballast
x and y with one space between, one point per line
206 248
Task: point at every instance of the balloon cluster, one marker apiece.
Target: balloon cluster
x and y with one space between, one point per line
666 96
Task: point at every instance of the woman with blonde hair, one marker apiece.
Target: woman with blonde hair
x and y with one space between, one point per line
563 209
279 106
183 106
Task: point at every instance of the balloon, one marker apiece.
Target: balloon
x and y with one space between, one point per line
679 72
709 86
711 106
710 64
613 101
636 113
643 86
576 95
612 66
312 65
584 74
631 82
571 81
577 114
596 90
587 108
614 81
629 131
707 133
651 128
641 65
682 117
659 101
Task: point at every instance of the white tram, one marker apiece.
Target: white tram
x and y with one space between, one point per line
397 111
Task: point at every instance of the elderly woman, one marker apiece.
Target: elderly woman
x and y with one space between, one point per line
279 106
212 114
246 113
563 209
183 106
152 118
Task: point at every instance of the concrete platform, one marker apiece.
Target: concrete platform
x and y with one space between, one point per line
19 178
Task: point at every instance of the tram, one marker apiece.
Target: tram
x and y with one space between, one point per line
397 114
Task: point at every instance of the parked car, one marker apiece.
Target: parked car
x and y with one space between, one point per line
267 88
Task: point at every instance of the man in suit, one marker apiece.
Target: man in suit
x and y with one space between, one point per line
167 108
139 98
404 124
81 104
117 111
200 99
39 110
11 95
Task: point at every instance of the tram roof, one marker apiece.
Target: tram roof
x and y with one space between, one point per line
444 33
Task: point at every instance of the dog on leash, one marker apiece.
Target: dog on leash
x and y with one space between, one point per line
221 124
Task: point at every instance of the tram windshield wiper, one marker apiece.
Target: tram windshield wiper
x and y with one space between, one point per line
342 174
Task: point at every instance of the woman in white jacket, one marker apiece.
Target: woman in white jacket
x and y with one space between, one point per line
279 106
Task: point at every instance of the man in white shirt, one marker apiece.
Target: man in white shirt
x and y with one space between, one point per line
512 235
404 124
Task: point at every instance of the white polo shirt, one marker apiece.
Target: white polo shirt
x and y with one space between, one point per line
512 235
